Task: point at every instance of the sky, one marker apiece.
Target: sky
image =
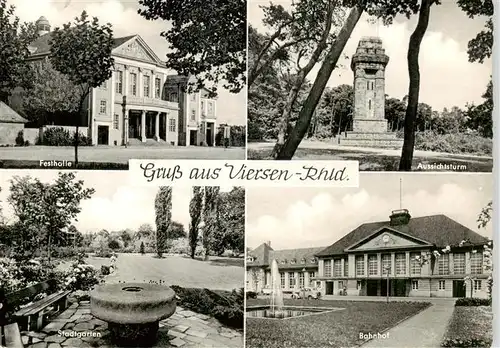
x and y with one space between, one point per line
447 77
115 205
309 217
122 14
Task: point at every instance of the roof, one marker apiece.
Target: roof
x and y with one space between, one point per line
7 115
261 255
303 257
42 20
438 230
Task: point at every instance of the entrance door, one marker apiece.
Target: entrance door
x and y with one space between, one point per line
383 288
371 287
458 288
210 138
400 287
102 135
329 288
192 137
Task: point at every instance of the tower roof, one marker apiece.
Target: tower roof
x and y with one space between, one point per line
370 50
42 21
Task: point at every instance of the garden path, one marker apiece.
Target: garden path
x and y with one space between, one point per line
424 330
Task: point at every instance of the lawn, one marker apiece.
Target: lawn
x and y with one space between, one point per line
372 161
471 323
334 329
216 274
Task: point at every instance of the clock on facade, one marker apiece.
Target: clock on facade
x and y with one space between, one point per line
385 239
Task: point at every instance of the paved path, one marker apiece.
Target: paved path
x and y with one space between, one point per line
183 329
424 330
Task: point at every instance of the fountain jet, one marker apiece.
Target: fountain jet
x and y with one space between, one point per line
276 293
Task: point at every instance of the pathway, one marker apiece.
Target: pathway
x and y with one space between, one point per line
424 330
76 327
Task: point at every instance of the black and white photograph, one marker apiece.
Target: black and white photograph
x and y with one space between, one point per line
87 260
405 260
92 84
398 86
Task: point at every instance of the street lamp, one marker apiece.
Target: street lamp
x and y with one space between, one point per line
387 269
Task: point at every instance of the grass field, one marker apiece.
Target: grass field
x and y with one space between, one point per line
215 274
471 322
329 329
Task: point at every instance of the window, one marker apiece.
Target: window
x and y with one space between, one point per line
459 263
477 285
341 284
116 121
367 85
442 284
369 104
360 265
282 279
415 267
386 264
400 260
291 279
372 86
193 115
337 265
303 261
292 262
313 260
157 88
202 107
327 268
301 279
147 81
210 108
358 285
414 284
119 82
372 265
171 125
476 263
444 264
346 267
133 84
102 107
173 97
312 275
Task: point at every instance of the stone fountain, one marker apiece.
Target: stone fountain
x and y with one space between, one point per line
276 306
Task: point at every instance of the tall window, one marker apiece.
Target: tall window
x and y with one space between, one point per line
119 82
400 260
386 263
312 275
337 263
368 85
477 285
202 107
147 81
444 264
327 268
301 279
282 278
346 267
360 265
171 125
102 107
414 284
193 115
459 263
291 280
173 97
442 285
210 108
372 265
415 267
133 84
157 88
476 263
116 121
369 104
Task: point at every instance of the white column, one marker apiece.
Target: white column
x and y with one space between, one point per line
166 126
157 126
126 81
152 89
342 267
407 259
306 279
113 95
140 84
143 126
393 264
92 125
125 127
163 78
366 265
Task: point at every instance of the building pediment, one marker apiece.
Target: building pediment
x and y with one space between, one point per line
137 49
387 238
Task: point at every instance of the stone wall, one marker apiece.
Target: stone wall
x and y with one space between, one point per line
9 132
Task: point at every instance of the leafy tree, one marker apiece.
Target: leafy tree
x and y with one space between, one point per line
126 237
414 88
114 244
141 249
176 230
207 38
163 209
51 93
480 117
385 9
211 217
16 38
51 206
145 231
395 113
195 212
82 52
484 217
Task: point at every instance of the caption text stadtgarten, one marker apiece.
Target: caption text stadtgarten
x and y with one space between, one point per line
245 173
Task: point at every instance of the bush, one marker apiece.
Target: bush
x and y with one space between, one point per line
104 253
16 275
471 301
114 244
468 342
251 294
179 246
58 136
461 143
105 270
142 248
81 276
20 138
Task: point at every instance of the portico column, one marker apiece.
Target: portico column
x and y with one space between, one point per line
157 126
166 126
126 117
126 82
407 263
140 84
393 264
143 126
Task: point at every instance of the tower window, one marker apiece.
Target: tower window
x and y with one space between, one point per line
372 86
369 104
368 85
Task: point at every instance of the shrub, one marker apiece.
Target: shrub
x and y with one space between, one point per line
114 244
251 294
104 253
58 136
142 248
105 270
461 143
471 301
81 276
468 342
20 138
179 246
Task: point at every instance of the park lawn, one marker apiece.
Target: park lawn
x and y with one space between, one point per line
369 161
333 329
471 322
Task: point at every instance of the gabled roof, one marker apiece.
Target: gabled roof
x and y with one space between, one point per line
438 230
7 115
260 255
263 256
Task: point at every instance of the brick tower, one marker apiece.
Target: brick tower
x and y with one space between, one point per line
369 126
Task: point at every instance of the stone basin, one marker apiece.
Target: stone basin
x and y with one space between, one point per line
132 310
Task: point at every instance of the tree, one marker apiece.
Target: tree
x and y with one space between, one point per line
141 249
414 88
176 230
207 38
82 52
385 9
163 209
16 38
126 237
211 216
484 217
50 206
195 211
51 93
114 244
395 113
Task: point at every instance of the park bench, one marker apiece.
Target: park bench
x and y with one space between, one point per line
32 316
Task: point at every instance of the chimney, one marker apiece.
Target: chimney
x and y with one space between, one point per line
268 243
400 217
